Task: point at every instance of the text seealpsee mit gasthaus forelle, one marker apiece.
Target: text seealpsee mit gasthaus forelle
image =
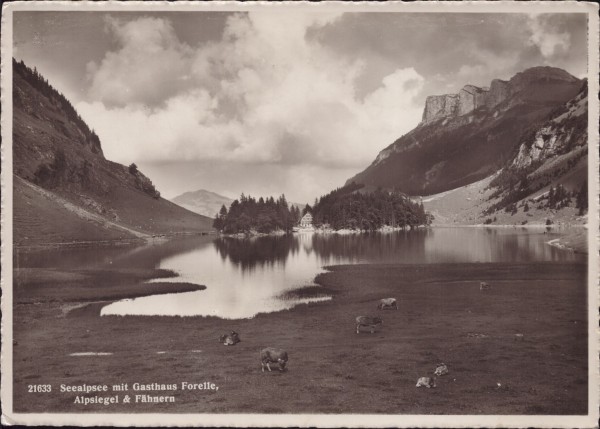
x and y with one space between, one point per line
127 393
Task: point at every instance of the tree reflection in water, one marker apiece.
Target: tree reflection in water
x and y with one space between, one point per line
250 252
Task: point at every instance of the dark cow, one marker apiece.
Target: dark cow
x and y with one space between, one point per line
230 339
271 355
387 303
368 321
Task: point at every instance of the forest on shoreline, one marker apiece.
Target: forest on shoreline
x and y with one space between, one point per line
345 208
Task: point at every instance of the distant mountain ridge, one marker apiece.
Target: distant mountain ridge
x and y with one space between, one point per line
209 203
203 202
65 190
466 137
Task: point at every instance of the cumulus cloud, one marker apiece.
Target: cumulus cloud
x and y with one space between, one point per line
150 65
550 40
264 93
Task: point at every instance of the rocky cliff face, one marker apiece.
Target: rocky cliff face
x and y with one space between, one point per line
471 97
468 136
441 106
563 134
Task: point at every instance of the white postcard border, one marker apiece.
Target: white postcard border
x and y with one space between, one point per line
301 420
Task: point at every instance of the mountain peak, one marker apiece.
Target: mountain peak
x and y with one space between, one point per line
472 97
545 72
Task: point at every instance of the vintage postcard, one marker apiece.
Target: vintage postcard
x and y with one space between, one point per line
300 214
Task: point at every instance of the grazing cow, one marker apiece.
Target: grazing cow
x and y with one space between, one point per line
441 369
484 286
387 303
230 339
368 321
427 382
271 355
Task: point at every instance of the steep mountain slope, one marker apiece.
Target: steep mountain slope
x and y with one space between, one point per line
202 202
468 136
64 188
544 179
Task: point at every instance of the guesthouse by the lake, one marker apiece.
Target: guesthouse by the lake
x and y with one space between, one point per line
306 221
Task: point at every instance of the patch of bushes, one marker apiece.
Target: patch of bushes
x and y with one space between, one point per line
51 174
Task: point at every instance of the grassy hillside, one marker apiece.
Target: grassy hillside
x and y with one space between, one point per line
64 188
41 216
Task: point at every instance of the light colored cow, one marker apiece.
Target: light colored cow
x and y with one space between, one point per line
427 382
271 355
387 303
230 339
484 286
441 369
368 321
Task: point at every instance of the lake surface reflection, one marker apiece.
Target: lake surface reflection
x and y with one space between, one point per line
245 277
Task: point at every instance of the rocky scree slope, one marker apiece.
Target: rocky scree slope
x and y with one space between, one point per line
469 136
64 188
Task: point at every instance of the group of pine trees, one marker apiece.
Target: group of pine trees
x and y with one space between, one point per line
263 215
559 197
346 208
343 208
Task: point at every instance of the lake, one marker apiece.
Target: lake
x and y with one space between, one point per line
245 277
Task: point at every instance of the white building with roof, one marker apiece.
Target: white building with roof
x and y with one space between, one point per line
306 221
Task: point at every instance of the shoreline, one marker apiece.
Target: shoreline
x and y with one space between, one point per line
161 238
89 286
154 239
572 241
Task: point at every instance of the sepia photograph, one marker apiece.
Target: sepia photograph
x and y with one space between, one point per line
300 214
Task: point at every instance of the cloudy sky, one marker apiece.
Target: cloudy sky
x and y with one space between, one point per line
275 102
